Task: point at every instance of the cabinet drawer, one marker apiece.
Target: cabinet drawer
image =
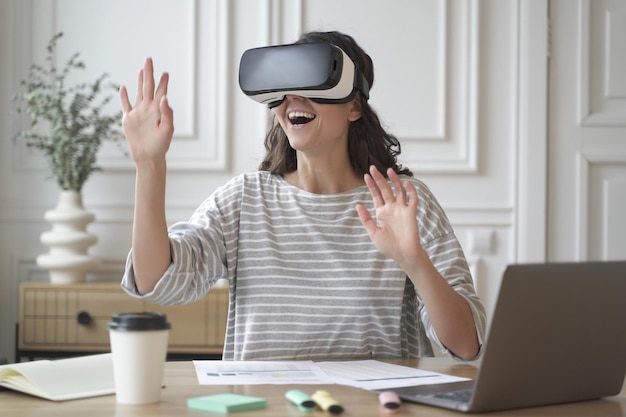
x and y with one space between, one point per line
66 302
188 323
74 317
64 332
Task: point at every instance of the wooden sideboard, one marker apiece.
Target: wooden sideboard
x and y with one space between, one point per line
63 320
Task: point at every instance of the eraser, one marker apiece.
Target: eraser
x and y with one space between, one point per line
226 403
390 401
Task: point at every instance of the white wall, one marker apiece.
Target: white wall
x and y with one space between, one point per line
448 84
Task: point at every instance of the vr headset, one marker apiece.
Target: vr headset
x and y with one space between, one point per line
319 71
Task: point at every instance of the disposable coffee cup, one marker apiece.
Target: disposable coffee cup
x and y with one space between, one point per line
139 348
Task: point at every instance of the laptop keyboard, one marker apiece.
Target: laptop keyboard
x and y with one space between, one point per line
463 396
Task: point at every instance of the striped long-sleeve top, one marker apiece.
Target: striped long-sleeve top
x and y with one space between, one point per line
305 280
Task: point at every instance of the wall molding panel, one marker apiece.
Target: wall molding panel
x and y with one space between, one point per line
454 148
199 70
452 144
602 90
601 204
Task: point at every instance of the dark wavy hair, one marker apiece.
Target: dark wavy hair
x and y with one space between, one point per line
368 142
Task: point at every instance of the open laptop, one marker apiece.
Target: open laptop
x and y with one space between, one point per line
558 335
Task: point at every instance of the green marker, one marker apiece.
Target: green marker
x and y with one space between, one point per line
301 399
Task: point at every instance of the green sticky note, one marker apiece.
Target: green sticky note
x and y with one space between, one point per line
226 403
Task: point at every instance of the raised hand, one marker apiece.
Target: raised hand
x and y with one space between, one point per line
394 232
148 126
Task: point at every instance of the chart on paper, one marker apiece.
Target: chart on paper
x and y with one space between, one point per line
211 372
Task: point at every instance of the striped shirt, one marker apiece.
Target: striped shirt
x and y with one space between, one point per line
305 280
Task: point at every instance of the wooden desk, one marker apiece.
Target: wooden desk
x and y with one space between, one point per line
181 383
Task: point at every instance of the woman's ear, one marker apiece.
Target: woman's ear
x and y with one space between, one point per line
355 109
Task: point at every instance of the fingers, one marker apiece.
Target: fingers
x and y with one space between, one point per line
366 219
379 188
167 115
126 107
148 80
161 90
139 98
145 87
374 191
397 185
381 191
411 193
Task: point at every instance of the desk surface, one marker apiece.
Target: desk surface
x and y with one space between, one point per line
181 383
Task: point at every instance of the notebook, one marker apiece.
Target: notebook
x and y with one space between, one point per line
558 335
61 379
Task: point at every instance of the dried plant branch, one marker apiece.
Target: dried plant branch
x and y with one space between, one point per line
67 124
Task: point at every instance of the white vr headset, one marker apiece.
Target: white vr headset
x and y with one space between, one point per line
321 72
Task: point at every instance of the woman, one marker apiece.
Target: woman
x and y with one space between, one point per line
312 274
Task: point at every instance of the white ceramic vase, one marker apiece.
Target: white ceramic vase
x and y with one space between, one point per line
68 260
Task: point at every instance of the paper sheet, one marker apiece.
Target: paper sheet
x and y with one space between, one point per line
212 372
366 374
375 375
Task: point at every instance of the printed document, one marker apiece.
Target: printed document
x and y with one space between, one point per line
211 372
376 375
366 374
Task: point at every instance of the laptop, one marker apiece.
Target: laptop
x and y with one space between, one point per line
558 335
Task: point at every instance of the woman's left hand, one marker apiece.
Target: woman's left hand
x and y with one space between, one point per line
395 231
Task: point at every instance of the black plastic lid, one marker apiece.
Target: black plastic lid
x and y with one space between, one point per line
139 321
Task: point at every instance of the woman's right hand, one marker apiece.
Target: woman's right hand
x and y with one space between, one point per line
148 126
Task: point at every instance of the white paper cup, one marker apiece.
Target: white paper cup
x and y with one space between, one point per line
139 348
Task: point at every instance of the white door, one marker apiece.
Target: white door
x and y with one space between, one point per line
587 131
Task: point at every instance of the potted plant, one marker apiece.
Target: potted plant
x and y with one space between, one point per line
67 126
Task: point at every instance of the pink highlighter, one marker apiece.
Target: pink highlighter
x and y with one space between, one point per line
389 401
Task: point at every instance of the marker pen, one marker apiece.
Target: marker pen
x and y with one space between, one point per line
389 401
302 400
326 402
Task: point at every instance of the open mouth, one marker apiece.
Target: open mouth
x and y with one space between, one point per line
297 118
